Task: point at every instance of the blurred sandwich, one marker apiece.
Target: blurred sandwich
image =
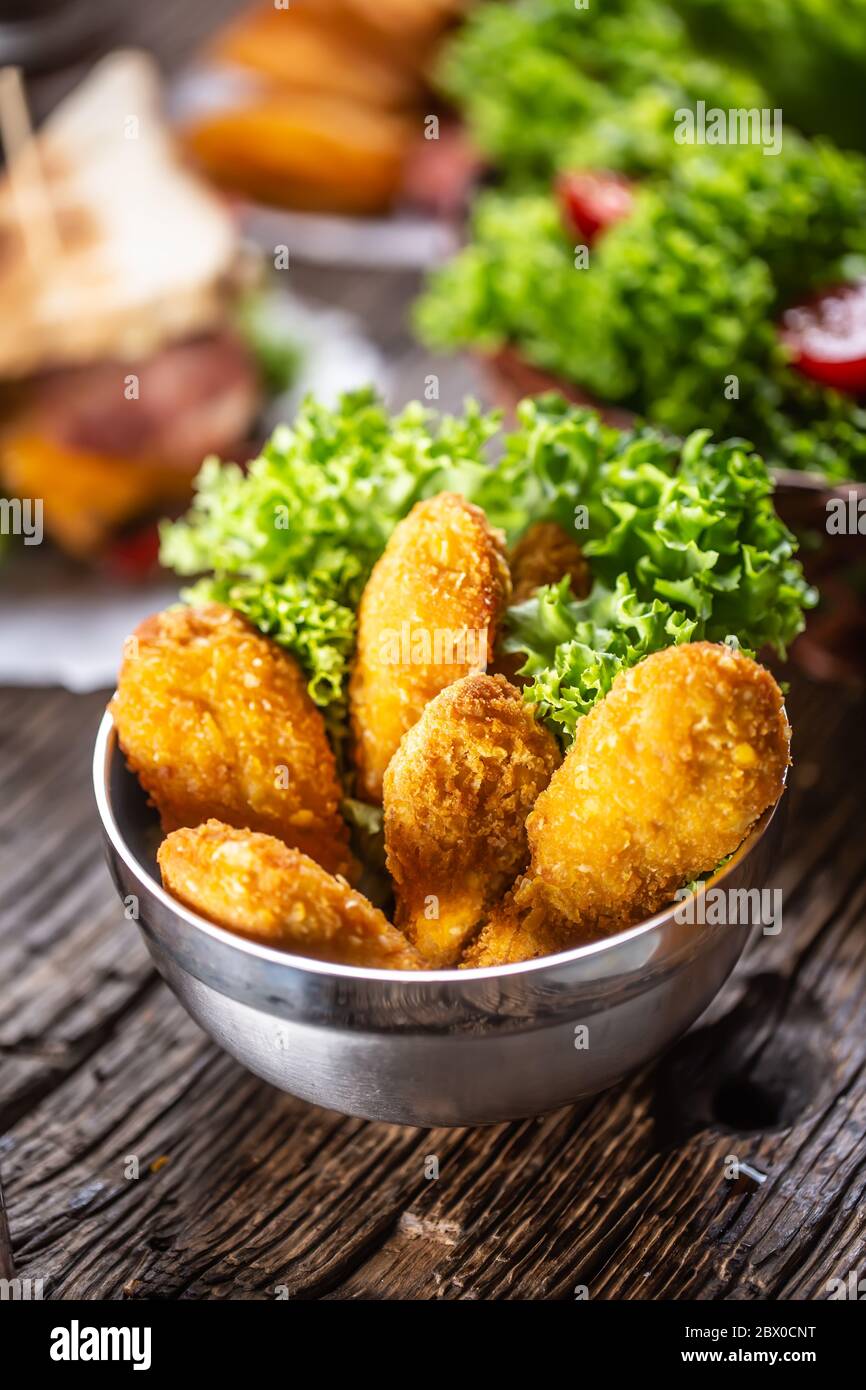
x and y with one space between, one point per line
119 364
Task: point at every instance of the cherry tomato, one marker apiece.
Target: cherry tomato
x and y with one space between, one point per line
594 200
134 554
827 337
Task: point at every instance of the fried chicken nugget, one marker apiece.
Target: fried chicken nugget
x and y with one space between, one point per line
665 778
457 794
256 886
520 927
215 720
545 554
427 617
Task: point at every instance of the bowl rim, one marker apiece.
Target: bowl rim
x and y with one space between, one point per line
107 748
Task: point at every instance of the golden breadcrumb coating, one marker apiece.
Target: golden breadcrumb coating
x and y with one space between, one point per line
256 886
428 616
520 927
457 793
545 554
665 778
215 720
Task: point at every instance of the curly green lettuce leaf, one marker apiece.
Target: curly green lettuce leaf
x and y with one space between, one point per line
674 317
684 545
706 539
542 84
556 463
321 500
691 523
576 648
602 83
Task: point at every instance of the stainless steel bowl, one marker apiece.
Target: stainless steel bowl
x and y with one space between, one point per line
435 1047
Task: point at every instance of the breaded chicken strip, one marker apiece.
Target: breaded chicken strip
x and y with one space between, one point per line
428 616
665 779
215 720
255 885
520 927
457 794
545 554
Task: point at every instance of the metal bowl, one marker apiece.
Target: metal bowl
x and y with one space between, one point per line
435 1047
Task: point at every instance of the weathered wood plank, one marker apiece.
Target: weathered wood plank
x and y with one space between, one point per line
70 971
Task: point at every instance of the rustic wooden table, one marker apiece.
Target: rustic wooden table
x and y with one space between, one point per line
139 1161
